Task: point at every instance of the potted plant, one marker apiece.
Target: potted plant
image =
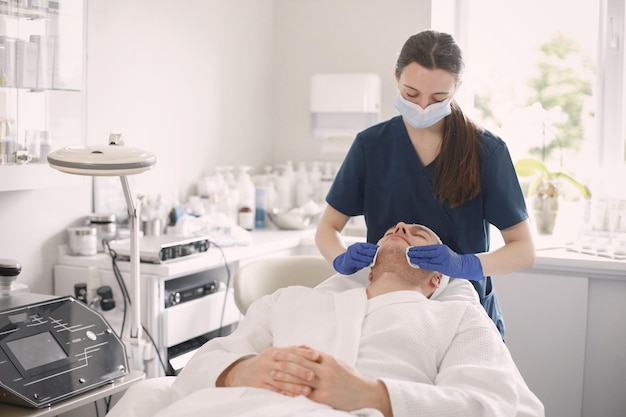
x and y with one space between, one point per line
545 190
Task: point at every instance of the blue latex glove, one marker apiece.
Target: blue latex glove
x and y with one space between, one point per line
442 259
356 257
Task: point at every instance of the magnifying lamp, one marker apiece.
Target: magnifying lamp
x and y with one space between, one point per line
115 160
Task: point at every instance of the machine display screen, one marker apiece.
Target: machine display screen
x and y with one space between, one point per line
36 350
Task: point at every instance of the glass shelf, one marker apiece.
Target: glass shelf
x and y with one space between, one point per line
9 9
40 90
42 105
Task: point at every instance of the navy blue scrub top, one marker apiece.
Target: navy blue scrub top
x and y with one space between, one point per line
383 179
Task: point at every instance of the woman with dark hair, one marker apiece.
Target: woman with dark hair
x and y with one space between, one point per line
433 166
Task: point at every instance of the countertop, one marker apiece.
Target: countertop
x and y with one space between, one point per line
551 257
264 242
562 260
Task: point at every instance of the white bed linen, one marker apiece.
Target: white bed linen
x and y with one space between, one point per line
436 358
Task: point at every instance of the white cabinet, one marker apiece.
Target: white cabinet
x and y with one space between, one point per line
605 358
172 327
566 329
546 319
42 62
179 328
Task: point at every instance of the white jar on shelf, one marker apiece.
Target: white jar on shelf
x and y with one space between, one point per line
83 240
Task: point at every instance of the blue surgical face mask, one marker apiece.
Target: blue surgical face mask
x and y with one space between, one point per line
422 118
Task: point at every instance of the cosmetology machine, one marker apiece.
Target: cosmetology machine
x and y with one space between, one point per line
52 348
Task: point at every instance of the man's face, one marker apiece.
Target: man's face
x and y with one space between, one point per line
391 255
403 235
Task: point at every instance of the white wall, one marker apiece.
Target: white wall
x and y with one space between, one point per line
187 80
313 36
204 83
33 224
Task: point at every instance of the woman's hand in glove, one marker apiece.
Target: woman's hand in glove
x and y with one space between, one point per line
356 257
442 259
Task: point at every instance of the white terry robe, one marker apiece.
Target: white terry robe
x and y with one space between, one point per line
436 358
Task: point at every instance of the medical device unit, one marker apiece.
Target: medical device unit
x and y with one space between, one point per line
52 348
161 248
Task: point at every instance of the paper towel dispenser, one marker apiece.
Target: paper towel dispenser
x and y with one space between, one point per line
344 104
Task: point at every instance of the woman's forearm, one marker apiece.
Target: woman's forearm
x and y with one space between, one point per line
328 234
518 252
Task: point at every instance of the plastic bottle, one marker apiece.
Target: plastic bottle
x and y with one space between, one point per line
222 196
259 212
285 184
233 195
290 175
304 189
262 194
247 197
283 193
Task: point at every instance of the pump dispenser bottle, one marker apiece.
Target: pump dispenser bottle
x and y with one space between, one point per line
247 196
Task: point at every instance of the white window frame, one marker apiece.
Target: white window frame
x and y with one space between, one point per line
451 16
611 83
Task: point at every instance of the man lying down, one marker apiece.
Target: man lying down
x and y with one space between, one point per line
384 350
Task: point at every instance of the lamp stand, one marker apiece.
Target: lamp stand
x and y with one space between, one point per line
136 342
115 160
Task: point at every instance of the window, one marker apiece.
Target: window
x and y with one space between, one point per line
549 77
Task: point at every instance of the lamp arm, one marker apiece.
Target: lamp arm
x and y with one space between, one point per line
136 339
